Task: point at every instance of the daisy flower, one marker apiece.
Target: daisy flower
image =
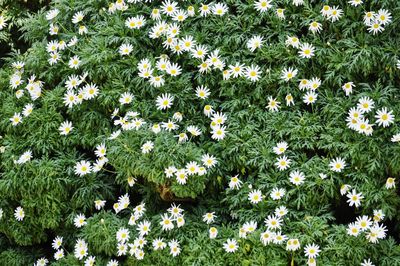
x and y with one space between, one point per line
306 50
288 73
208 160
16 80
219 9
273 222
181 176
159 244
367 263
213 232
353 229
83 168
74 62
273 104
169 126
157 81
310 97
205 9
147 147
289 100
80 220
262 5
187 43
19 213
236 70
378 215
337 164
281 211
16 119
179 15
169 7
384 118
255 196
253 73
175 249
250 226
202 92
25 157
57 242
219 118
182 137
311 250
173 69
98 204
395 138
101 150
235 182
3 23
375 27
335 14
348 88
369 17
122 235
209 217
292 41
175 210
277 193
143 228
90 91
280 13
166 222
282 163
126 98
292 244
192 168
354 198
59 254
65 128
41 262
390 183
125 49
315 27
78 17
267 237
296 178
52 46
280 147
199 52
325 10
279 238
208 110
344 188
254 43
52 14
230 245
383 16
218 132
365 104
314 83
355 2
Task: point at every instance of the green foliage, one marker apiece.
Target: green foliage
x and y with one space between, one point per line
52 192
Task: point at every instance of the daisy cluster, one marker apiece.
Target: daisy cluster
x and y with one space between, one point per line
370 228
33 87
181 53
358 121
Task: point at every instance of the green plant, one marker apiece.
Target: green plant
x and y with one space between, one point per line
281 123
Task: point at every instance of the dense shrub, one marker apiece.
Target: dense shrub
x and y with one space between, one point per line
244 132
12 14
